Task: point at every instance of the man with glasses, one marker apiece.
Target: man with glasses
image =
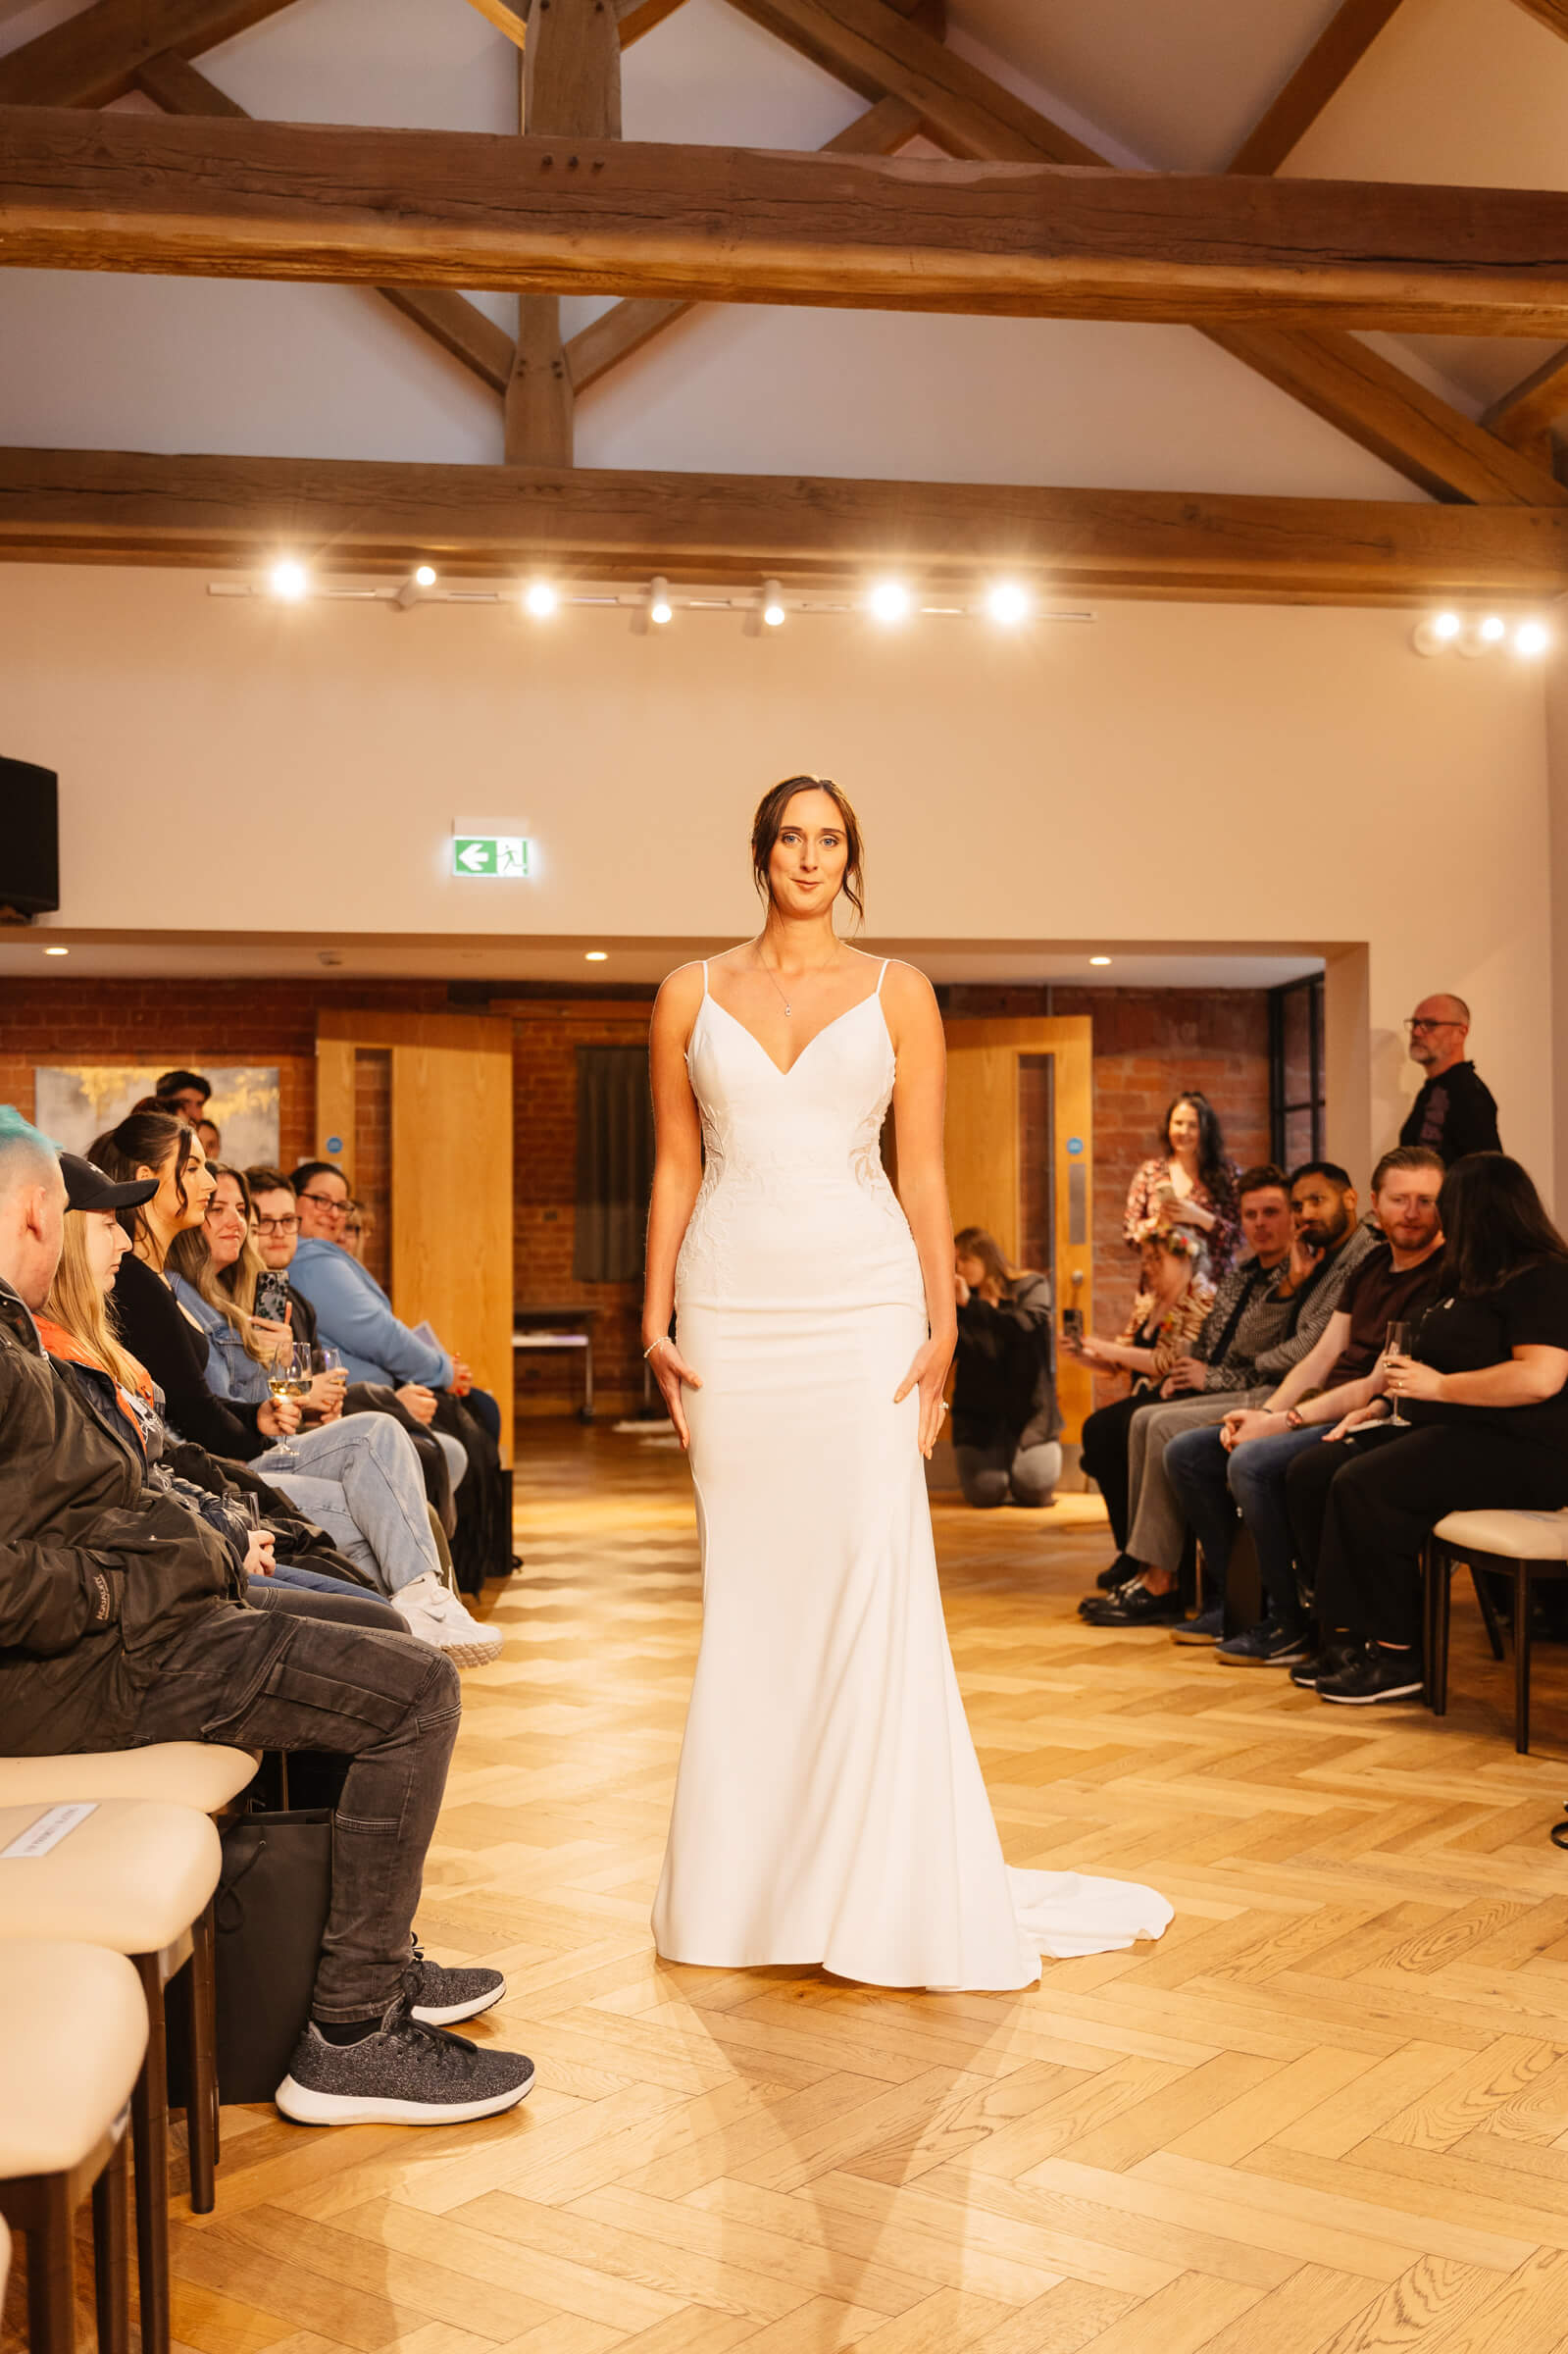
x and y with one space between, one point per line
1455 1112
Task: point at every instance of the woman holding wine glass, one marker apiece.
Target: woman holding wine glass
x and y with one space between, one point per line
358 1479
1479 1393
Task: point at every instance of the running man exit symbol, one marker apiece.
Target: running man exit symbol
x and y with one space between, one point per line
491 854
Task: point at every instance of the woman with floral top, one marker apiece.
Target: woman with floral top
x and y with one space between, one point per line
1191 1184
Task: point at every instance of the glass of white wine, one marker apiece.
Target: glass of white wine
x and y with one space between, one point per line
288 1374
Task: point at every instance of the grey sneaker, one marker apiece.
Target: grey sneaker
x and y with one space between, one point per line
441 1997
405 2074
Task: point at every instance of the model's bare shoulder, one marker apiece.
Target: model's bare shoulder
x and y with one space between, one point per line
914 1018
675 1008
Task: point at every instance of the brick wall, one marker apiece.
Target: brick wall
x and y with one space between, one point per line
1148 1044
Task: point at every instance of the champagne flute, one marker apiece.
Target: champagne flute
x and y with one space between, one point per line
1397 1342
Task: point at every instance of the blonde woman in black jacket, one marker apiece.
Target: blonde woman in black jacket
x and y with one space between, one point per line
1005 1416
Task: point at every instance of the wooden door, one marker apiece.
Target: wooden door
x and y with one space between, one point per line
425 1101
1019 1151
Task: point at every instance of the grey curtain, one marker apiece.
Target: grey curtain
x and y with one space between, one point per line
615 1164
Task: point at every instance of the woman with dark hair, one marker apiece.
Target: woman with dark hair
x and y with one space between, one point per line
1483 1388
359 1480
829 1805
1005 1418
1189 1182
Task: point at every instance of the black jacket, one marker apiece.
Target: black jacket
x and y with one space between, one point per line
1454 1114
1005 1390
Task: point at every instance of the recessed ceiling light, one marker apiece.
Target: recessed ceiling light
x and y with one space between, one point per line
57 952
1099 960
594 955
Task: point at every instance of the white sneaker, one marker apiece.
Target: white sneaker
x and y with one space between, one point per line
439 1618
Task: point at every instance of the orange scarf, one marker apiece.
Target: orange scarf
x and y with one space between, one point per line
70 1351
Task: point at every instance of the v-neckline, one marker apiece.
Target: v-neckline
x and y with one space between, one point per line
785 1070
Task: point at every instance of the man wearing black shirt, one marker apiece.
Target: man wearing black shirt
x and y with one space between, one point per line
1455 1113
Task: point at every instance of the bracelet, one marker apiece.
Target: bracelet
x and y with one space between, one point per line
660 1342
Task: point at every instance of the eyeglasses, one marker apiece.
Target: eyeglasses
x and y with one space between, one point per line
279 1225
324 1202
1420 1021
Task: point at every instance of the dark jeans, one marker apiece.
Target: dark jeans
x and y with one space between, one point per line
1380 1508
1008 1472
1307 1484
1214 1485
332 1598
389 1704
1104 1455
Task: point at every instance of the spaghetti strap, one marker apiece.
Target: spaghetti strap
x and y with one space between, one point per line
705 976
881 977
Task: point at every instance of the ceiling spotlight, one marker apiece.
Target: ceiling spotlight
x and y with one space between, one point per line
288 579
773 605
1493 629
1099 960
413 591
889 600
1444 634
425 574
540 599
1008 604
1531 638
594 955
57 952
659 606
1444 626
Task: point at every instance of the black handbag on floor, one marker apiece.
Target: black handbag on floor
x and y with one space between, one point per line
271 1908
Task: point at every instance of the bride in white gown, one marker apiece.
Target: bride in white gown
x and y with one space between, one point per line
828 1807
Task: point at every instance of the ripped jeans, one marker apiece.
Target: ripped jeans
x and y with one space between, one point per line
387 1703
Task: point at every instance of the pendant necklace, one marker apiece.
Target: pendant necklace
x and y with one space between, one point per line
768 969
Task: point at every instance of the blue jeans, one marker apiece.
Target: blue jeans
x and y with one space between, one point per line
1196 1464
360 1480
1257 1474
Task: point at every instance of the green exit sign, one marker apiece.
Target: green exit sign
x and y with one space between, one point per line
491 854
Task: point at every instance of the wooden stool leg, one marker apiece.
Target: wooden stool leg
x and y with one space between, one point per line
149 2128
201 2064
1521 1656
111 2248
51 2272
1441 1621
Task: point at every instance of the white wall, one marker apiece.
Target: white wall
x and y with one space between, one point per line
1168 774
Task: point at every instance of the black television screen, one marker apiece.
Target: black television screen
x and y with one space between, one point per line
29 839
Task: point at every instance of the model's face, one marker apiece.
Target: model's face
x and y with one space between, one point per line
321 1207
1322 1214
166 1207
1437 1039
1266 1221
277 1227
1184 1130
806 864
105 1242
1405 1207
225 1222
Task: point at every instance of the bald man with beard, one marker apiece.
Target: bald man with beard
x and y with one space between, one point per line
1455 1113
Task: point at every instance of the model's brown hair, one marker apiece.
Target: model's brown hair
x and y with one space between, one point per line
768 824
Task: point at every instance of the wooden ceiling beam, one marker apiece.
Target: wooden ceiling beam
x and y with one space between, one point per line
1326 66
462 330
94 56
73 506
214 197
1554 13
633 18
1363 397
1532 407
629 325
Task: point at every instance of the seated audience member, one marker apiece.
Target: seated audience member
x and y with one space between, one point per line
355 1316
1268 1327
1188 1182
212 1143
120 1625
276 1217
1004 1392
356 1480
1168 1312
1485 1390
357 1224
1241 1464
74 1329
185 1093
1454 1112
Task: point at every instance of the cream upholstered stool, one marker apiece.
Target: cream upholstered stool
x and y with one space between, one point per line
176 1774
73 2037
1523 1546
136 1877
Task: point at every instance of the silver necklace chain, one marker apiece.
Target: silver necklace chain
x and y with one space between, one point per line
756 951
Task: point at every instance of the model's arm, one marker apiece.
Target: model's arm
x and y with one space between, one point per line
676 1176
920 1091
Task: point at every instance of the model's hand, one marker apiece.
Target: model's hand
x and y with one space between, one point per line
927 1372
279 1417
670 1371
1408 1377
418 1401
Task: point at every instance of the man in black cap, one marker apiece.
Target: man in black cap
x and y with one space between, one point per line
120 1624
1455 1113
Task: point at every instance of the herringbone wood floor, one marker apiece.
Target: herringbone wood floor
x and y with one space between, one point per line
1328 2112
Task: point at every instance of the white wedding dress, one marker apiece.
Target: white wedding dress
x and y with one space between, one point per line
828 1807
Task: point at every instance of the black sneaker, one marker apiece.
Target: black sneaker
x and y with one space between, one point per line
1374 1677
1330 1661
1207 1627
404 2075
1265 1646
441 1997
